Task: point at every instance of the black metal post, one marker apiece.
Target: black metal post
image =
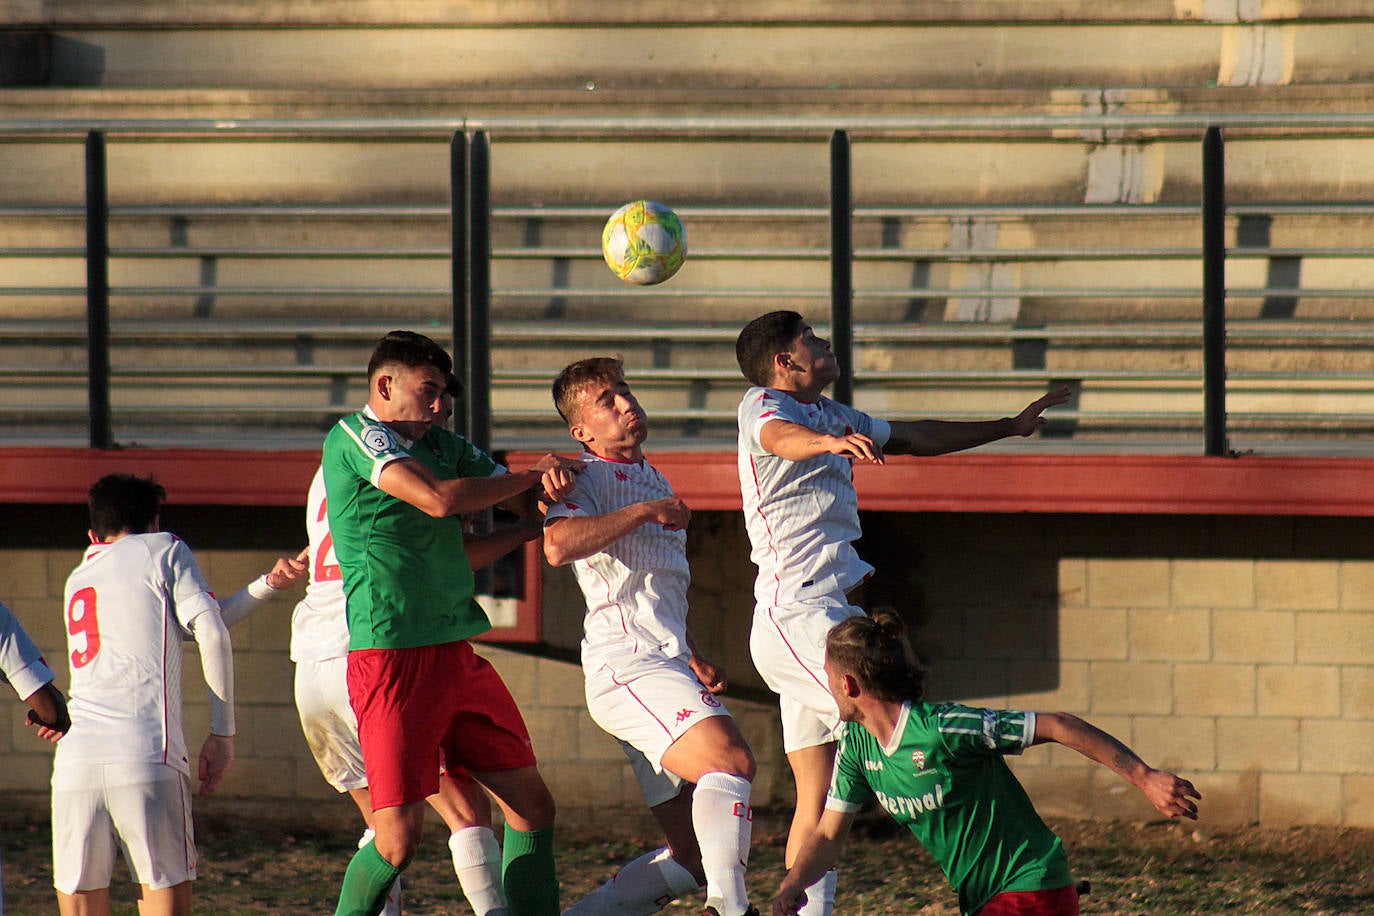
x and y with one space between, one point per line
842 265
458 241
1214 293
98 292
479 296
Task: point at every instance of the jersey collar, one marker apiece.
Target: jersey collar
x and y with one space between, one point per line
898 729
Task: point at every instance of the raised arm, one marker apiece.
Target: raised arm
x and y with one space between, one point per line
573 538
818 854
1172 796
485 549
940 437
796 442
409 480
217 663
241 605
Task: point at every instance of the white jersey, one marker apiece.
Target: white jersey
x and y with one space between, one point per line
801 515
319 624
21 664
636 587
128 606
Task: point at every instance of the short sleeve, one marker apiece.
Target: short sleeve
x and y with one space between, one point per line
580 503
759 407
361 447
190 592
849 790
969 731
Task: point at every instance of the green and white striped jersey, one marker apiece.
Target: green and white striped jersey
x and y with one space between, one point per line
944 778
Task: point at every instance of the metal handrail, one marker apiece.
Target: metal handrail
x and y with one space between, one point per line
1068 128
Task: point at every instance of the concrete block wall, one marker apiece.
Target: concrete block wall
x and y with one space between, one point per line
582 765
1239 652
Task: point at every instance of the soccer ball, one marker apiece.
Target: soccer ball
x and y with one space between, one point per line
644 242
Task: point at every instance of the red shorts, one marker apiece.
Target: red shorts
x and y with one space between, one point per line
1060 901
418 707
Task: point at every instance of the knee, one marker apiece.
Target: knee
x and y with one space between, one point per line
532 809
397 847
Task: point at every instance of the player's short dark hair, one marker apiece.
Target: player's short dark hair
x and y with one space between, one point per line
453 386
874 649
409 349
761 340
124 504
573 380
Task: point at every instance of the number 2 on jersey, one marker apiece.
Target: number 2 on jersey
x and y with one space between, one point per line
326 572
82 621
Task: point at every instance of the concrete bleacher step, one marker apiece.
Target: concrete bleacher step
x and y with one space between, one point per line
490 44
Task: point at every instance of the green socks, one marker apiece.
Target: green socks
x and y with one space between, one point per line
367 880
528 873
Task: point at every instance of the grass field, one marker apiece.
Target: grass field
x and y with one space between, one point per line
288 858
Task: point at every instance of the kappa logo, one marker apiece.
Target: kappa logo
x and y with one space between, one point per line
621 475
684 714
378 439
873 766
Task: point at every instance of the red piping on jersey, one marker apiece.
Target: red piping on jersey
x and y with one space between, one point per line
772 544
620 608
631 692
166 725
782 634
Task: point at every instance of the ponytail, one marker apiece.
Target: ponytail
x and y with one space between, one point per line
875 651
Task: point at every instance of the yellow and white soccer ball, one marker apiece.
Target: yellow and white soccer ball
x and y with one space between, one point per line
644 242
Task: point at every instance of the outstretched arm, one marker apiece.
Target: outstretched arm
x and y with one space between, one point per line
241 605
412 482
572 538
1172 796
796 442
486 549
818 854
940 437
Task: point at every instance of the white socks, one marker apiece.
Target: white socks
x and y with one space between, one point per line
820 897
393 893
642 888
477 862
724 823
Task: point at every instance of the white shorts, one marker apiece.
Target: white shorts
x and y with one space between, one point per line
331 728
788 648
143 807
646 704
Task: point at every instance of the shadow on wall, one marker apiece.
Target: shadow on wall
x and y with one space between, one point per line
980 597
44 59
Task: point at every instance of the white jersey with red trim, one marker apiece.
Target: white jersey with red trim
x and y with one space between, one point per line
319 624
128 607
636 587
801 515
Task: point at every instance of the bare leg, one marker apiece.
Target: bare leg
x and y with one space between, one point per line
165 901
85 903
811 768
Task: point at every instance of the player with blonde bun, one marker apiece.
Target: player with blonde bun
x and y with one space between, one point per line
796 454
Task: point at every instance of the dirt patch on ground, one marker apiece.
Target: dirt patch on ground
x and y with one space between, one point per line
289 858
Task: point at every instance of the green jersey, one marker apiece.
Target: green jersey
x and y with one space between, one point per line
405 574
943 777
